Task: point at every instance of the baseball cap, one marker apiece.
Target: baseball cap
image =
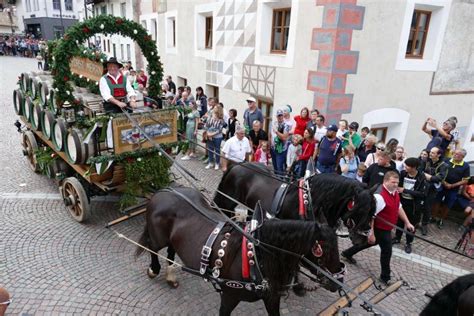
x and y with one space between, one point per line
279 112
332 127
354 126
251 99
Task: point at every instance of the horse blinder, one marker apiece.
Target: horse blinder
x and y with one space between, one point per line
350 204
317 250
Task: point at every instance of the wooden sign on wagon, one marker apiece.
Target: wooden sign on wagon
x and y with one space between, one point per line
160 125
86 67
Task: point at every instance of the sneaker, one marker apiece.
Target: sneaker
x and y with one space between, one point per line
192 156
209 165
408 248
395 241
424 230
386 282
216 167
185 157
348 258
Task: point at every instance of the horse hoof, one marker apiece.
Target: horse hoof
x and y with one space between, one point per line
299 289
173 284
151 274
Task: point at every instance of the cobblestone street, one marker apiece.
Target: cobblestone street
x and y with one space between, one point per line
53 265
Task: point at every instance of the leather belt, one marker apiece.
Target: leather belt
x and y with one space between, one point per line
207 248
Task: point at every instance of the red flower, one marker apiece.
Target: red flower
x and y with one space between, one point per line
76 101
130 159
85 29
66 78
119 21
147 37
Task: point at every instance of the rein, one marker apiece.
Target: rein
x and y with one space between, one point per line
255 241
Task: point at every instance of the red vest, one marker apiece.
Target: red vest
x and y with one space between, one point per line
117 89
390 212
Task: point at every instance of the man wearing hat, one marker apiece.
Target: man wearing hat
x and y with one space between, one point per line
115 88
329 151
251 114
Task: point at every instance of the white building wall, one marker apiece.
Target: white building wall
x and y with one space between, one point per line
389 91
234 47
379 87
118 40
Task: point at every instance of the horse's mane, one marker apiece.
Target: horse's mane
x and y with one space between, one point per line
336 189
445 302
292 235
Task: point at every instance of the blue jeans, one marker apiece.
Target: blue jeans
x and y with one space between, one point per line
214 150
326 168
300 168
279 161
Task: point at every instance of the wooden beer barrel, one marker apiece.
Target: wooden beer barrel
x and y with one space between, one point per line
36 114
47 120
44 94
51 101
35 87
76 151
58 133
28 109
26 81
18 100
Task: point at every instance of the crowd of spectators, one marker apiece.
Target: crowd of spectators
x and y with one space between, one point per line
22 46
431 183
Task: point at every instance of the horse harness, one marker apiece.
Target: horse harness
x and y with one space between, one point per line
305 203
251 273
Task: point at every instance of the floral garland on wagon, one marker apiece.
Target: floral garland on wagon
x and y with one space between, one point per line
69 46
146 170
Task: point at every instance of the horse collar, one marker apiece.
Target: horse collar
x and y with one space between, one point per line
207 249
250 267
305 205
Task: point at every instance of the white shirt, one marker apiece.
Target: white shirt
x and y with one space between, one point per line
105 90
320 132
235 149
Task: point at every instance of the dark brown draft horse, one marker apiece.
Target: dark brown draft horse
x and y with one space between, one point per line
335 197
456 298
182 220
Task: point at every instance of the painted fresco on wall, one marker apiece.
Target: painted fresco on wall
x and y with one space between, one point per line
455 72
235 22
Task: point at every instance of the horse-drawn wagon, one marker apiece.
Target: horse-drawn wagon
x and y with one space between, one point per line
67 134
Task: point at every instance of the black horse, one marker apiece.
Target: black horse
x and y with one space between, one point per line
456 298
182 221
333 197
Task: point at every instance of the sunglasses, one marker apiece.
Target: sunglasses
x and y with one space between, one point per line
6 303
380 148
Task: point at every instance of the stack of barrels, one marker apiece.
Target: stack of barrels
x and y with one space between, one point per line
35 101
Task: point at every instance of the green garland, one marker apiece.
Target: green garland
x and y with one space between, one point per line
143 177
104 24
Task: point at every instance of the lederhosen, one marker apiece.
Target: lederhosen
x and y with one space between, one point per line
119 92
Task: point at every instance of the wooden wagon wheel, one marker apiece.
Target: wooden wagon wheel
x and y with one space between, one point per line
30 147
75 199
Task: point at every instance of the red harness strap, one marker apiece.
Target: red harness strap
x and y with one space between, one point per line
301 205
245 259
